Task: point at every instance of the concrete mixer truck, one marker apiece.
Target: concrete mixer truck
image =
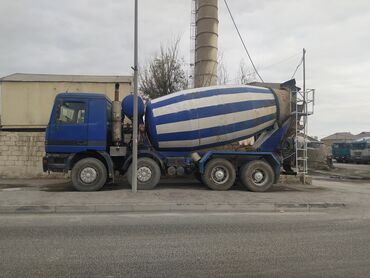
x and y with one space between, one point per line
184 133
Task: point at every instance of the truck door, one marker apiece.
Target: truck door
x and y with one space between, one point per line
69 130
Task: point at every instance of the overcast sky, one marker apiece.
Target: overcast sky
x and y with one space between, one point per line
96 37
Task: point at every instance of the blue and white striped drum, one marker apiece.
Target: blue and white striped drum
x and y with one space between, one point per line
206 117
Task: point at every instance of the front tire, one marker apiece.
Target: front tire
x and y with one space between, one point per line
219 174
148 173
89 174
257 176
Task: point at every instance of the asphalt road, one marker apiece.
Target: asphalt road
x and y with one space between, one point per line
184 245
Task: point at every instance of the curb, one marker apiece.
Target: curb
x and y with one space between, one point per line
309 206
172 207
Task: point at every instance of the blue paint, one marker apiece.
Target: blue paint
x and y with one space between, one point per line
189 115
214 131
214 110
72 137
207 146
208 93
272 144
128 106
150 126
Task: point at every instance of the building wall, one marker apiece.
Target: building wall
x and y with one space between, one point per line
21 155
28 104
0 102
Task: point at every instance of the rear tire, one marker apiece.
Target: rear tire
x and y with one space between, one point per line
219 174
89 174
257 176
148 176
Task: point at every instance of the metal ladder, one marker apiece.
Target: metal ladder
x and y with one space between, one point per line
304 107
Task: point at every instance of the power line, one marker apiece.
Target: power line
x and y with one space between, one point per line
241 39
299 64
281 61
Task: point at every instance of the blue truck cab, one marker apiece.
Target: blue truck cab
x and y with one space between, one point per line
79 128
79 122
79 141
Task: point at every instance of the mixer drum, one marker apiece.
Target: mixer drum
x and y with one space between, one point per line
207 117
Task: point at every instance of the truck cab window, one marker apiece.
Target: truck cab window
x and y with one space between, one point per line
72 113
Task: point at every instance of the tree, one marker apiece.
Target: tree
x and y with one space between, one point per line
164 74
222 75
245 75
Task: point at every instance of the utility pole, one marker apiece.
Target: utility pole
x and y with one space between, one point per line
305 116
304 69
135 118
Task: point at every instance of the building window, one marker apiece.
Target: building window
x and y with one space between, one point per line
72 113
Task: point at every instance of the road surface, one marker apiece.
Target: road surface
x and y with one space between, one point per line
185 245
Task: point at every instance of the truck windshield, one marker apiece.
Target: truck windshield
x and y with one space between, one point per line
72 113
359 146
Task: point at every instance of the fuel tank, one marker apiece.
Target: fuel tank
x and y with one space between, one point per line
200 118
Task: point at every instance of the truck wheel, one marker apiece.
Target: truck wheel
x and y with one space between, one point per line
219 174
257 176
148 173
89 174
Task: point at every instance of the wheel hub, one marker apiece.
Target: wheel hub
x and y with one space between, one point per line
88 175
144 174
258 176
219 175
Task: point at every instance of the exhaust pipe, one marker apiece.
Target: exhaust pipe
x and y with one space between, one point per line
116 118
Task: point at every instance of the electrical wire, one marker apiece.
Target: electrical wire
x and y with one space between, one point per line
241 39
281 61
299 64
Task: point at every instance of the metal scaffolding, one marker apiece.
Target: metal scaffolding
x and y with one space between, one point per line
304 107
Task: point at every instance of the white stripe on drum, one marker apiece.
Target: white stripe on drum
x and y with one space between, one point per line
210 101
198 90
214 121
215 139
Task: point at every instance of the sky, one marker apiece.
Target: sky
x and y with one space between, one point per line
96 37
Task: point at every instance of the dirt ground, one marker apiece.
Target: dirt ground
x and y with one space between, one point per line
346 171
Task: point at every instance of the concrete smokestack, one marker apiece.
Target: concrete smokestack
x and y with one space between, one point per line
206 43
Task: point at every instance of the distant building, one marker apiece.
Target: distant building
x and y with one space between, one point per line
363 134
343 137
26 99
